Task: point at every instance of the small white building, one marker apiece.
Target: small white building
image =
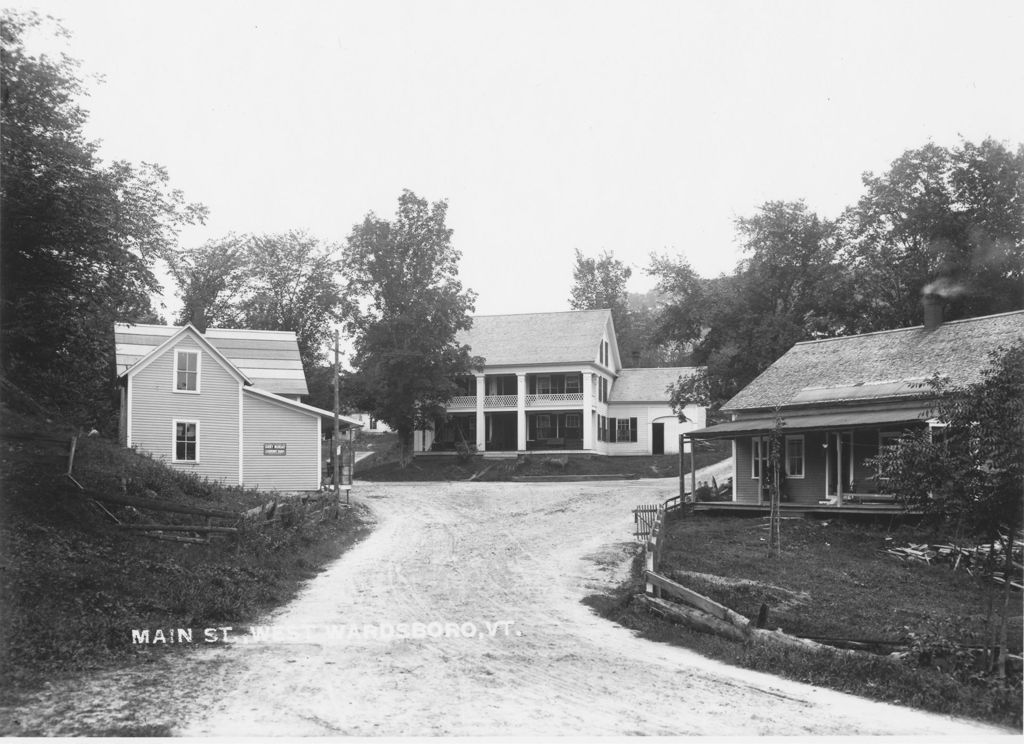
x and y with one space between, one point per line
555 382
223 405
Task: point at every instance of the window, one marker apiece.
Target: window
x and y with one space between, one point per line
572 421
572 383
373 423
758 456
543 385
186 371
186 441
795 456
625 430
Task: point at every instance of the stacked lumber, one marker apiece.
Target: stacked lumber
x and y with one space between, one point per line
976 559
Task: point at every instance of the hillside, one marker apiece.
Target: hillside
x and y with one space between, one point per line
74 582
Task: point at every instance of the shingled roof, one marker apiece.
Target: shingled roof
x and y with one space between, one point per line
537 338
882 365
647 384
270 359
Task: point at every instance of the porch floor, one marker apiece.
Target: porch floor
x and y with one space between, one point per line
792 509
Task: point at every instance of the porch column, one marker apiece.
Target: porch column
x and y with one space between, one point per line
521 412
839 468
588 414
481 433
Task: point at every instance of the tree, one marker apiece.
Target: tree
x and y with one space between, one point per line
694 390
789 287
600 283
79 238
285 282
951 220
973 473
405 309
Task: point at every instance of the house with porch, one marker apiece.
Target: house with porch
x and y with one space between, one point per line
840 400
224 404
555 382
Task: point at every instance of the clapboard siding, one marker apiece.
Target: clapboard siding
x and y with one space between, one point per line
268 422
154 408
642 445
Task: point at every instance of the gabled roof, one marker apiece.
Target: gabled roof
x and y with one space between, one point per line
172 340
269 359
882 365
570 337
647 384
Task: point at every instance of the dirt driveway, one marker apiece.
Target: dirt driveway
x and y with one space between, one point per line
494 573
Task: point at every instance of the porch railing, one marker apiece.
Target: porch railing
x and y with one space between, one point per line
540 399
500 401
462 401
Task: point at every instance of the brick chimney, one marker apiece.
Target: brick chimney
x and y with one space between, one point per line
932 311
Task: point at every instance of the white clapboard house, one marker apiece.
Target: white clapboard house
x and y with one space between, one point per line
555 382
224 404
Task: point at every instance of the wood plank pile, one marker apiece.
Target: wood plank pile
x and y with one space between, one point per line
976 560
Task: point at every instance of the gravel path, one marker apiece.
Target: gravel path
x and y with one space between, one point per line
510 561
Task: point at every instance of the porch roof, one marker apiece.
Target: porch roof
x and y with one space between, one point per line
813 422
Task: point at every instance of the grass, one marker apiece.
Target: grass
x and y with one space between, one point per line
73 586
831 582
454 468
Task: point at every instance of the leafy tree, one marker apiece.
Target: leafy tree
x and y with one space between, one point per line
78 237
406 307
974 472
681 313
600 283
286 282
788 287
951 220
686 391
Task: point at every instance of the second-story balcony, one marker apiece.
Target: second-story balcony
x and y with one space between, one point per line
501 401
462 403
545 399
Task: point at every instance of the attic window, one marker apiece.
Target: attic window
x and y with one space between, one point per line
186 371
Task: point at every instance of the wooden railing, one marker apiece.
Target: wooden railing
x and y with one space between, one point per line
501 401
539 399
462 401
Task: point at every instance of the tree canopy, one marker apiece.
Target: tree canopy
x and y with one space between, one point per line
406 305
79 237
284 282
948 221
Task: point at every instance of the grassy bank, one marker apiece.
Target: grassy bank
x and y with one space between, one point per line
831 582
73 585
454 468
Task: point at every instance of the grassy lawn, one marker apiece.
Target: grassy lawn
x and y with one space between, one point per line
453 468
73 585
831 582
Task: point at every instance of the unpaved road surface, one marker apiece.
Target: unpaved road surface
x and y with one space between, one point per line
509 562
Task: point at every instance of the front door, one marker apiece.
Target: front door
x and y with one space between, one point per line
658 439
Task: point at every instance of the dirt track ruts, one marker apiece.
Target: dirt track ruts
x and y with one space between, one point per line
470 553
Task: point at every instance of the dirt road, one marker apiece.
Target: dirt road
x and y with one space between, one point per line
499 569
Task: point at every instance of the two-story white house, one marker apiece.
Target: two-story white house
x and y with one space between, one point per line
555 382
222 404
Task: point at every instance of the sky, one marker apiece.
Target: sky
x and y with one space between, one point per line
630 127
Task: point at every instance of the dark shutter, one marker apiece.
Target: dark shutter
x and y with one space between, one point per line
612 425
632 430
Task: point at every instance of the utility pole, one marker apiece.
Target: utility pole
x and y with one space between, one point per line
336 438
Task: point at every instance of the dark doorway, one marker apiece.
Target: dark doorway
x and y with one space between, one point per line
502 432
658 439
